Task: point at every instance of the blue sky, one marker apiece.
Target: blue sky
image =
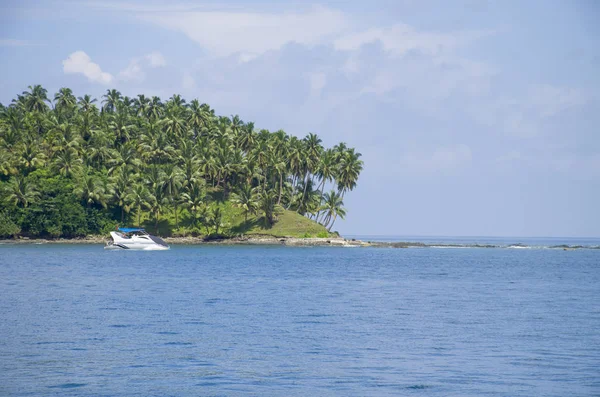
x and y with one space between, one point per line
473 117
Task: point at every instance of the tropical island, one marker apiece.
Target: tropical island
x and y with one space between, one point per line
73 167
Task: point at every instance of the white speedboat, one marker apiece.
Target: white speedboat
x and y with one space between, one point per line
135 239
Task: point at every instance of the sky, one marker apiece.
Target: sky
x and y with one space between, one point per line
474 118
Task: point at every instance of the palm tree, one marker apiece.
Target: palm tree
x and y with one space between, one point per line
67 162
247 138
139 197
155 108
7 163
246 198
193 199
124 156
64 100
142 105
236 126
156 203
36 98
111 99
199 117
90 188
20 192
349 169
217 218
333 207
267 207
326 170
312 155
120 190
86 103
172 182
191 172
30 155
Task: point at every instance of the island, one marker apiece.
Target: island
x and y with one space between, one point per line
76 168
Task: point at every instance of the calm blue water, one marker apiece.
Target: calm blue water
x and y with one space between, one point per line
275 321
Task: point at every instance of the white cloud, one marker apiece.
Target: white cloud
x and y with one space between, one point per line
80 63
401 38
135 70
156 59
224 33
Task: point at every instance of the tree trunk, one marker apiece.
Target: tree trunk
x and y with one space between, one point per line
321 186
122 215
280 187
326 220
305 179
176 220
225 192
334 216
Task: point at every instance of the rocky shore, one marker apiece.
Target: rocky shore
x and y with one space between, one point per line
285 241
244 240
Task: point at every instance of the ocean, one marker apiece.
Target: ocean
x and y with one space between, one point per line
283 321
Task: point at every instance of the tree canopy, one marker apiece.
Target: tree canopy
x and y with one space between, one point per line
74 166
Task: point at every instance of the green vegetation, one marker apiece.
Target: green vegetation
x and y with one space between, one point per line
73 167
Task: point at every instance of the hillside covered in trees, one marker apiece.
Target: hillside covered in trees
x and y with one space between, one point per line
72 167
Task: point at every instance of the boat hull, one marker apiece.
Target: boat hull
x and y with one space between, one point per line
144 247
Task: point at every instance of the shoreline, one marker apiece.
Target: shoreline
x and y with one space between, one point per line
287 241
251 240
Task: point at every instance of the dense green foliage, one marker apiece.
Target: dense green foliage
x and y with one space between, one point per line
73 167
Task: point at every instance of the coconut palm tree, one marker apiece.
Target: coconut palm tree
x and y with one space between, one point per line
90 188
155 108
124 156
157 201
332 207
199 117
312 155
35 99
193 199
7 164
111 100
349 169
120 189
326 171
139 197
266 205
86 103
66 162
172 182
236 126
31 156
65 102
142 106
20 192
217 218
246 198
